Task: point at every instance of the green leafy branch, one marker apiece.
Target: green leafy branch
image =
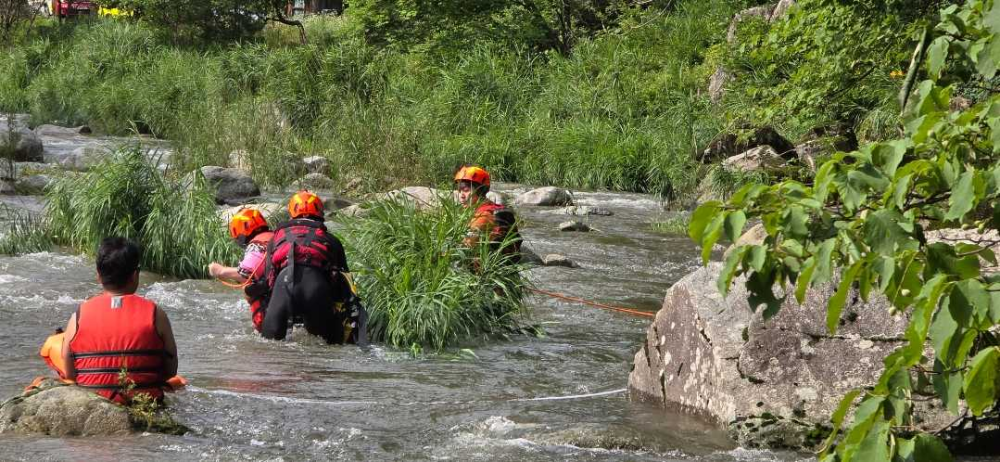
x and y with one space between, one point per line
865 221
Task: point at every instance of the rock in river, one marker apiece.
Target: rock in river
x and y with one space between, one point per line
547 196
231 186
58 410
578 226
27 145
714 355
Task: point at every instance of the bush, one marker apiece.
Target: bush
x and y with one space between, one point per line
176 224
417 280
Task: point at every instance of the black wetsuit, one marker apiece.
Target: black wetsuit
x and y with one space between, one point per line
307 292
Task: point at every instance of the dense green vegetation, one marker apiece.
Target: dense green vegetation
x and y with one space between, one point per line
175 222
625 110
422 286
866 215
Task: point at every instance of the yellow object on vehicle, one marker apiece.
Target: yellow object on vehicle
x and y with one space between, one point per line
114 12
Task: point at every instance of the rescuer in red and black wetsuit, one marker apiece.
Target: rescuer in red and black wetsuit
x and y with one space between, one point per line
119 331
306 268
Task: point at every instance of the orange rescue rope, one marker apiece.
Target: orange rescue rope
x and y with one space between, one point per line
602 306
244 284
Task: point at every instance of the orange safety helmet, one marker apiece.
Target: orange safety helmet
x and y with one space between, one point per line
245 223
473 175
305 204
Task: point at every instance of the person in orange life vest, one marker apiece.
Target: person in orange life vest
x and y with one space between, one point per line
119 330
249 228
306 271
492 220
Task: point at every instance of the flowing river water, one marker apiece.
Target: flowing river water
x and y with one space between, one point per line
554 397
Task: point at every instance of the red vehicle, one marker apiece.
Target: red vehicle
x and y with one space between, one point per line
68 8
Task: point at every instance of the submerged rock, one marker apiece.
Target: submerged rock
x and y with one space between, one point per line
553 259
59 410
547 196
715 355
574 226
585 210
231 185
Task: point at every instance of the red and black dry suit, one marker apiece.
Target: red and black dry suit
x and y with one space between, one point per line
116 333
257 290
303 261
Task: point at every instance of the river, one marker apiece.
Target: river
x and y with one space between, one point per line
553 397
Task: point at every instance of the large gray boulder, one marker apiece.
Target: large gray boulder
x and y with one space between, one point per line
316 164
714 355
33 184
547 196
82 158
61 411
26 145
761 157
315 181
55 130
420 196
231 186
730 144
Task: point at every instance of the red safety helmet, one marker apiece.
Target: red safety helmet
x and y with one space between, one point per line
245 223
473 175
305 204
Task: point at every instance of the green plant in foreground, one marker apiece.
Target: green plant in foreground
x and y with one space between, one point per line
176 223
867 213
145 412
418 281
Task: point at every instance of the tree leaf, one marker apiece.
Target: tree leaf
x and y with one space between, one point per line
836 304
734 225
824 261
701 218
928 448
980 383
968 298
962 197
875 446
937 53
729 269
802 284
882 233
711 235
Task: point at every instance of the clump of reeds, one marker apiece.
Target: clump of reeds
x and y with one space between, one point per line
421 286
175 222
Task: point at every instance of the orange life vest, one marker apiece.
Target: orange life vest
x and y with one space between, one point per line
498 222
115 333
257 291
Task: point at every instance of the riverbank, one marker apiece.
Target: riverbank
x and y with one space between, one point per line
622 112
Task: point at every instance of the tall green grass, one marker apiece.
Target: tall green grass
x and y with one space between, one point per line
421 286
624 111
175 222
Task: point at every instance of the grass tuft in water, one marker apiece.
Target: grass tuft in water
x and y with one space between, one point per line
175 222
417 280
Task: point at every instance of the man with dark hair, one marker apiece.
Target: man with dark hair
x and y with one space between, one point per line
119 331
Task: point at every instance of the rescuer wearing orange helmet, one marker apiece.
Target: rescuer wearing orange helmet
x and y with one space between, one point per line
308 276
492 220
250 230
119 332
